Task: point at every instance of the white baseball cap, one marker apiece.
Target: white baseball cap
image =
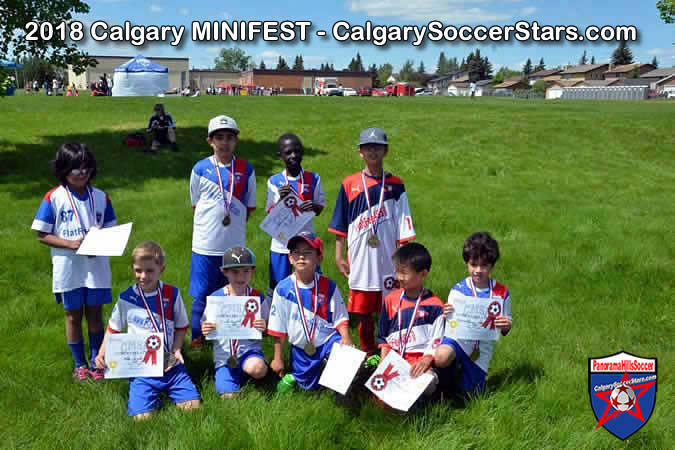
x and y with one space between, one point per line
223 123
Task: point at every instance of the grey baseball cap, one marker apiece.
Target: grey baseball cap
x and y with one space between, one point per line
238 257
223 123
373 136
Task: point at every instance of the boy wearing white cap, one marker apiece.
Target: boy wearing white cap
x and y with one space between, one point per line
222 191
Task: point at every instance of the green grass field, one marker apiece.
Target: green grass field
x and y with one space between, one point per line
580 196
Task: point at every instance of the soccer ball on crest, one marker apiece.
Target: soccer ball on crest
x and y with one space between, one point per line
252 306
153 343
623 397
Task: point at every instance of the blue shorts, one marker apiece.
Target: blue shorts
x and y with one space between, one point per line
205 275
77 298
230 380
280 268
307 369
144 391
472 377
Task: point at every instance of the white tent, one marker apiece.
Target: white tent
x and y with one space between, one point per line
140 76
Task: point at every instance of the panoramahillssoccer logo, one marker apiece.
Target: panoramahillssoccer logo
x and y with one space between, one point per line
622 388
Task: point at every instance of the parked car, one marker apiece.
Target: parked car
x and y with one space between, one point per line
423 92
334 92
378 93
365 92
349 92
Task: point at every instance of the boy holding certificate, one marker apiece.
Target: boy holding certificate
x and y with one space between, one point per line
411 321
308 310
305 184
371 217
234 358
222 191
151 305
470 357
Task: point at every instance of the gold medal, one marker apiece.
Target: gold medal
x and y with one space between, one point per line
373 241
232 362
227 220
113 364
310 349
169 361
475 355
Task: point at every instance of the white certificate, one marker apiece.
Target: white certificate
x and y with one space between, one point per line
393 384
233 316
286 220
474 318
134 355
105 241
343 364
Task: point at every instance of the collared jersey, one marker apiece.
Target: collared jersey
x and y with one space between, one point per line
130 313
56 216
427 327
372 267
311 190
209 236
221 347
285 318
486 348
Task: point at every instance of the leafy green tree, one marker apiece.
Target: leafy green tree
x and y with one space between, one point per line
667 10
232 59
383 73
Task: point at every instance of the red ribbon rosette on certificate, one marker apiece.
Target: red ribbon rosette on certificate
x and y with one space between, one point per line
152 345
379 382
494 310
251 307
291 203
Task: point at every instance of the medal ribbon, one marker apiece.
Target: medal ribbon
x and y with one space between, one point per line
151 316
150 353
403 344
386 376
234 343
91 211
292 204
249 317
315 294
227 201
301 182
373 223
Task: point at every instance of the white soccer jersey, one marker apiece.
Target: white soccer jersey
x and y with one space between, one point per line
130 313
286 319
309 183
485 348
57 216
372 268
222 348
209 235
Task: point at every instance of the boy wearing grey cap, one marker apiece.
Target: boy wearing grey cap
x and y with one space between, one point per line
236 359
222 191
373 218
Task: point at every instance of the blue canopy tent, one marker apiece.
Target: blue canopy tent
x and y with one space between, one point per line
10 65
140 76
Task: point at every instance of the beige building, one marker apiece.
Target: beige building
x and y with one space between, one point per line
299 82
585 72
204 78
179 70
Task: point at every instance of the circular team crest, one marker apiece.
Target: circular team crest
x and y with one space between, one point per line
290 202
153 342
494 309
623 398
390 283
378 382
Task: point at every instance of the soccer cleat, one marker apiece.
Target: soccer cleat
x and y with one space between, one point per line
286 384
373 361
97 374
81 374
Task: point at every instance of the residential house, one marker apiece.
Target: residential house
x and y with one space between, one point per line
556 89
666 86
585 72
657 75
546 75
439 85
626 70
509 86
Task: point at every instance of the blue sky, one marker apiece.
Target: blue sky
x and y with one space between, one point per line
656 38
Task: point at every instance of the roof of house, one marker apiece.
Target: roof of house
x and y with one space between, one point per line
659 73
626 68
632 82
670 79
483 82
459 84
510 83
545 73
591 83
584 68
567 83
555 77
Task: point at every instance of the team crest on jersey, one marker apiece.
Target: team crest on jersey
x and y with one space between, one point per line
622 389
237 177
391 283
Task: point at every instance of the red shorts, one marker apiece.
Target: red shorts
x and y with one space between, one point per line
364 302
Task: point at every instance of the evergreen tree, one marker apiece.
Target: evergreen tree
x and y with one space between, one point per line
359 63
442 66
592 59
299 64
540 66
527 68
655 62
622 55
282 64
452 66
373 68
583 60
420 68
262 65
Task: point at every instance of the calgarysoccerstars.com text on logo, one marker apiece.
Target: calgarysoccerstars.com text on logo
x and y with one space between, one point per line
622 390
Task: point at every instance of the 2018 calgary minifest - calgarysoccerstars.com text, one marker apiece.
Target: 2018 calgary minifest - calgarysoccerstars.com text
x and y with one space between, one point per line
341 31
